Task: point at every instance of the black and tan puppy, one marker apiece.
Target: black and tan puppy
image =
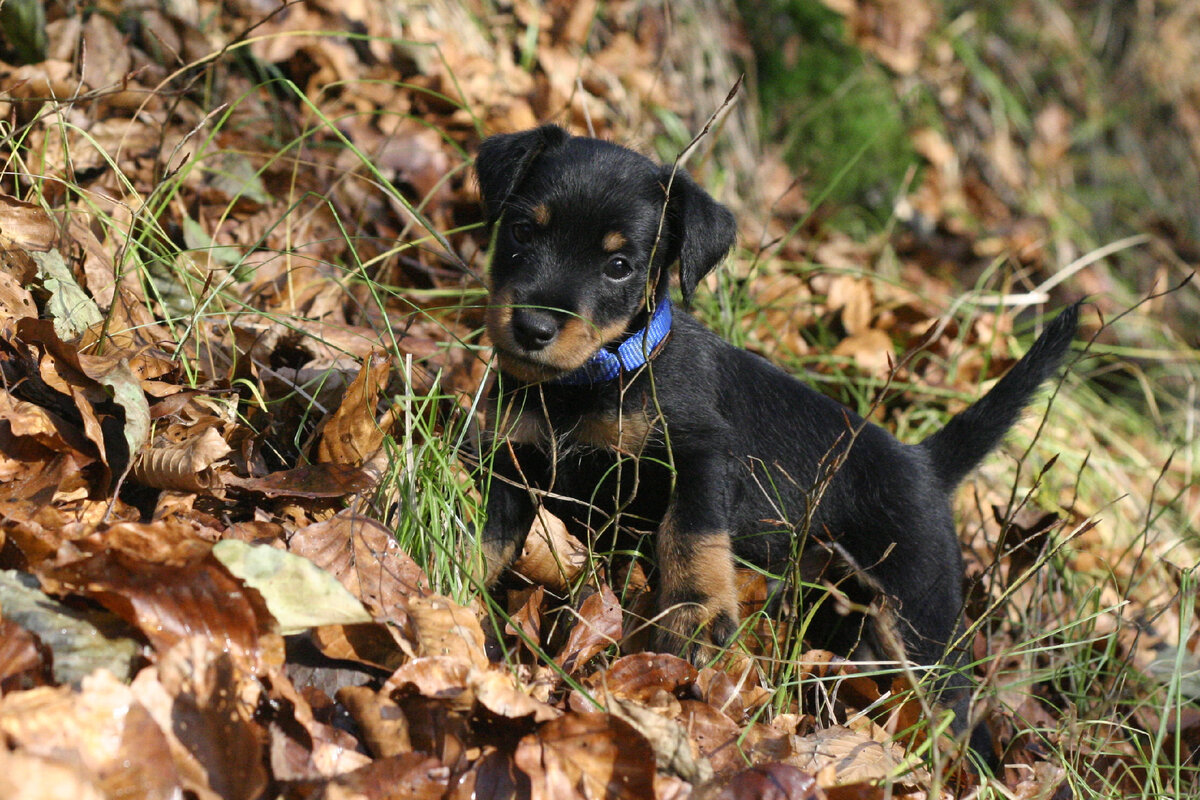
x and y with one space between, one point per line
609 402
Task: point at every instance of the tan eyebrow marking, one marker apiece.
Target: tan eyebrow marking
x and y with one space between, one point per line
613 241
541 214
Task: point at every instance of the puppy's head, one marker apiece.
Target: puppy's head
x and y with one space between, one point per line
583 233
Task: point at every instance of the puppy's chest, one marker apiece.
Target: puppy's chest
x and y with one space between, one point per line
561 426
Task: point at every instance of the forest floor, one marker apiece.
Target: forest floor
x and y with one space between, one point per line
241 298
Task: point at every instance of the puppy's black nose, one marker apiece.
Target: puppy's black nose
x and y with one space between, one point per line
533 328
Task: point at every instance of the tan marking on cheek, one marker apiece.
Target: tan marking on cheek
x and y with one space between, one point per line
578 340
627 433
613 241
541 214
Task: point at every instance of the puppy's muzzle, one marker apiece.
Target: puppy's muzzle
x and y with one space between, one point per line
534 329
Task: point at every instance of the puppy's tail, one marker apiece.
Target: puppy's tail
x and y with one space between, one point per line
957 448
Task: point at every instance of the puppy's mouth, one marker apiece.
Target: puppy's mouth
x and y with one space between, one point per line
559 349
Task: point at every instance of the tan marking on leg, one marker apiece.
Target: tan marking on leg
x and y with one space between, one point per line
613 241
697 590
541 214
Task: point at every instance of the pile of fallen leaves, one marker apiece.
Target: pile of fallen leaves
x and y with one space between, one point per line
199 592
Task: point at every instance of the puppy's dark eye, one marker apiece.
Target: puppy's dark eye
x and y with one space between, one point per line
618 268
522 232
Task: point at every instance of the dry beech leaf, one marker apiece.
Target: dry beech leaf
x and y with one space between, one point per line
444 628
351 433
314 481
640 676
551 557
852 296
16 301
598 627
586 755
24 660
362 553
102 727
463 687
491 777
406 776
373 643
672 746
187 466
714 734
171 602
839 756
24 776
198 696
25 225
871 350
299 594
444 678
499 692
383 724
770 782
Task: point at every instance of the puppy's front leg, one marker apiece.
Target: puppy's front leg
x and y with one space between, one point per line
510 513
697 597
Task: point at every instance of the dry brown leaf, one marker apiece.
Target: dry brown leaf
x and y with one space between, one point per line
714 734
187 466
895 31
373 643
871 350
102 727
407 776
383 724
769 782
672 746
855 299
500 693
313 481
491 777
28 777
362 553
172 602
351 433
640 676
445 629
584 756
598 627
551 557
204 703
26 226
24 660
838 756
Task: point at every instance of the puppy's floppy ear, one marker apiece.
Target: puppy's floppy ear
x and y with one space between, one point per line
503 160
704 229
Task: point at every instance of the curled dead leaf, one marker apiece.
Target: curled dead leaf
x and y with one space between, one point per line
352 433
551 557
187 466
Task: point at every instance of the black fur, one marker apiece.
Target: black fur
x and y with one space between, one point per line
759 466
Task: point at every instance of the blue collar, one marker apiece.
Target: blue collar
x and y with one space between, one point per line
634 352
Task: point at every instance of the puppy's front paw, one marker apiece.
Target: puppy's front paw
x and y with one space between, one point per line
697 630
